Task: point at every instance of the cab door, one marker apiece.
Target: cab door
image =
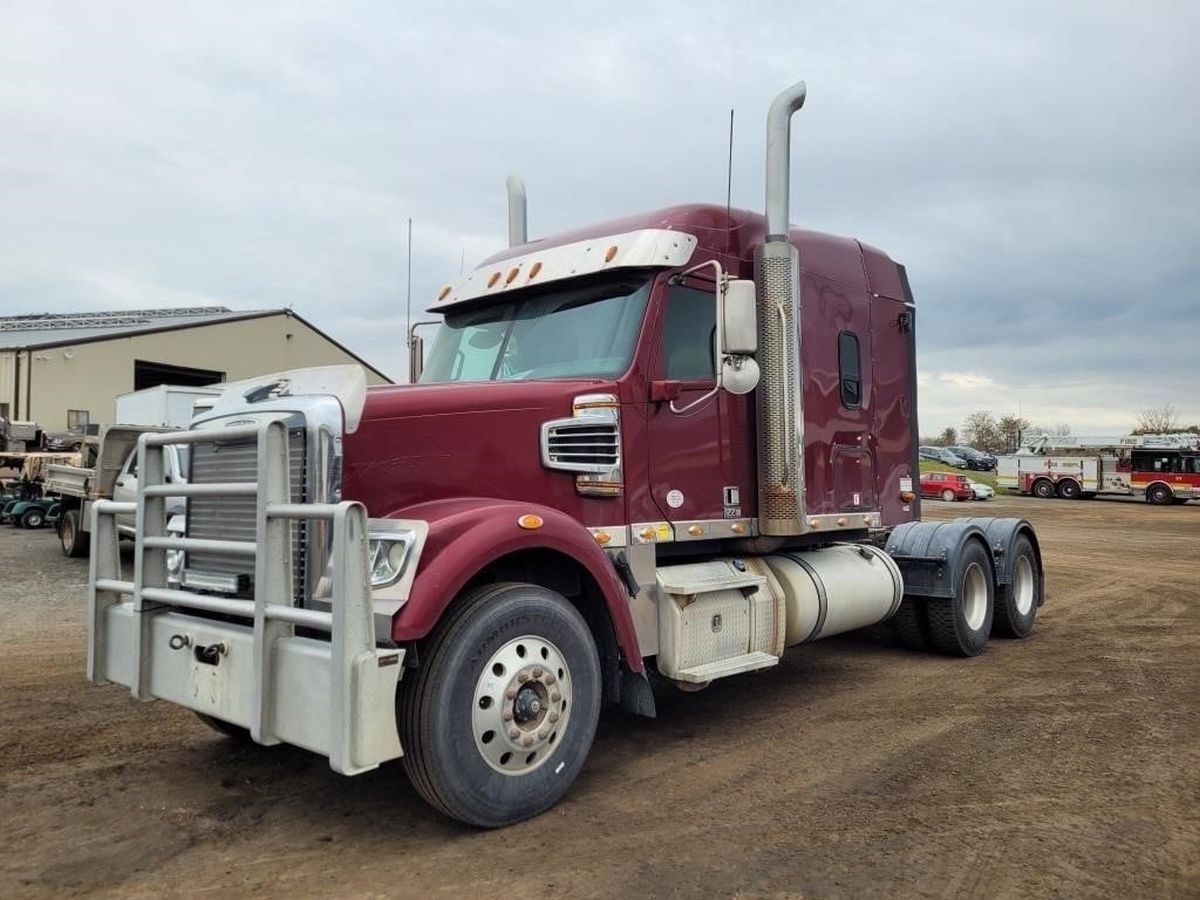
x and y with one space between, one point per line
700 460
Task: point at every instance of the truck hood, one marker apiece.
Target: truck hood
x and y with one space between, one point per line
417 444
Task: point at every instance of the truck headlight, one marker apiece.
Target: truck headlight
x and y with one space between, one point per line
387 556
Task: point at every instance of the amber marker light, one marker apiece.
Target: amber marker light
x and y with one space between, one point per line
530 521
738 528
443 293
492 281
907 496
842 522
610 254
602 537
695 530
647 534
534 269
512 274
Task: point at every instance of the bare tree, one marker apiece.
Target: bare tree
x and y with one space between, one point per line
980 431
947 437
1011 429
1161 419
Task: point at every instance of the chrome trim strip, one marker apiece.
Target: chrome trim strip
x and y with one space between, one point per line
714 529
849 521
618 536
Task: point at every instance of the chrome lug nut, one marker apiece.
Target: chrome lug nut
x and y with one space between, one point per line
522 677
555 696
514 733
511 694
553 717
550 679
537 672
527 741
507 715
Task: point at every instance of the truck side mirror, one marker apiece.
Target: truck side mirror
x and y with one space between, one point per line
740 322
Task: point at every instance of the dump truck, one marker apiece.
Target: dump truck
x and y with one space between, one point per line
666 447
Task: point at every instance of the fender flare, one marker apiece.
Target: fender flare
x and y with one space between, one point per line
927 554
468 534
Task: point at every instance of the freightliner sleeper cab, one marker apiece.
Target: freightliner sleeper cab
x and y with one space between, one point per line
671 445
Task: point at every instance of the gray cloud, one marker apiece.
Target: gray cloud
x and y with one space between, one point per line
1037 170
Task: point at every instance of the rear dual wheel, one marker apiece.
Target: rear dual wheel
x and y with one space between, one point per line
960 625
71 537
1017 602
1043 488
498 721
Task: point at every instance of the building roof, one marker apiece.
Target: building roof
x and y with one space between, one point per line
41 330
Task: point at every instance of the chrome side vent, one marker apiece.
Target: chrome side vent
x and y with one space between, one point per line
589 443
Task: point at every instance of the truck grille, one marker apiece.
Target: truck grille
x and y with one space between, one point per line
582 443
233 518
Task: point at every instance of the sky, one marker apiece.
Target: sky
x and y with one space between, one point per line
1035 166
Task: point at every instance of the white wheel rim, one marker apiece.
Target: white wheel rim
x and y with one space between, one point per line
1023 585
947 496
522 705
975 596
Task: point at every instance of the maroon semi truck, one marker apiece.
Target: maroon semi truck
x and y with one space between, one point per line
671 445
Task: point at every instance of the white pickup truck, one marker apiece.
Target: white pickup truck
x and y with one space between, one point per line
114 477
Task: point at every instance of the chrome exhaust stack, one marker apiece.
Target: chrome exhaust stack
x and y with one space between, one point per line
781 509
518 220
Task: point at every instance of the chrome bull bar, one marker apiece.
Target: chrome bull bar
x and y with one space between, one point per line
335 696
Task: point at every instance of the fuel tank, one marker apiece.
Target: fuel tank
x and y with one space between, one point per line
833 589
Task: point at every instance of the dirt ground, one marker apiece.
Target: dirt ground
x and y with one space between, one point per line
1065 765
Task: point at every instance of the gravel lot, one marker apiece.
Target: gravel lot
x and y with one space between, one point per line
1065 765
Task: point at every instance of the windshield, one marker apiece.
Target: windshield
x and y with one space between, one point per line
584 329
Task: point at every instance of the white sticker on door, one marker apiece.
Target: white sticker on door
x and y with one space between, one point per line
675 499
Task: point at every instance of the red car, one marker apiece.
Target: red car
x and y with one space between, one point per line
946 485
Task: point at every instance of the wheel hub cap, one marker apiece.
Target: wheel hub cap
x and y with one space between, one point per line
521 707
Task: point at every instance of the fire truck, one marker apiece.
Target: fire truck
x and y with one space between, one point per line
1162 468
662 448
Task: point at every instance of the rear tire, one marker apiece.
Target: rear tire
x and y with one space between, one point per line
71 537
1159 495
33 518
909 627
948 495
1069 490
1017 602
1043 488
960 626
475 670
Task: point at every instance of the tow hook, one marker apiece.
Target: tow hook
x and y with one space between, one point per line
211 654
179 641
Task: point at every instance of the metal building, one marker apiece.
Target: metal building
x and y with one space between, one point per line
65 370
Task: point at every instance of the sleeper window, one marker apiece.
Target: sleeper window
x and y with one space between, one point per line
850 367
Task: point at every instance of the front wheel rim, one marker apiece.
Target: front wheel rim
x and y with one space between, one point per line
974 594
521 707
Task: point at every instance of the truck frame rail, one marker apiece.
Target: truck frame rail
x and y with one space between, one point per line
334 695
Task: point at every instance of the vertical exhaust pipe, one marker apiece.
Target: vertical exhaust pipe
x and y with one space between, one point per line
781 509
518 232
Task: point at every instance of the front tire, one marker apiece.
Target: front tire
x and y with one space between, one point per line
498 721
948 495
1017 601
1159 495
960 626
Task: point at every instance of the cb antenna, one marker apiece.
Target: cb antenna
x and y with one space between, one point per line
729 190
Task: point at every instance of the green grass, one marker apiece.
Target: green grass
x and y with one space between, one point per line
988 478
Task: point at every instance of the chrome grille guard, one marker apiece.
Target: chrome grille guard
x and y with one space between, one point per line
335 696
